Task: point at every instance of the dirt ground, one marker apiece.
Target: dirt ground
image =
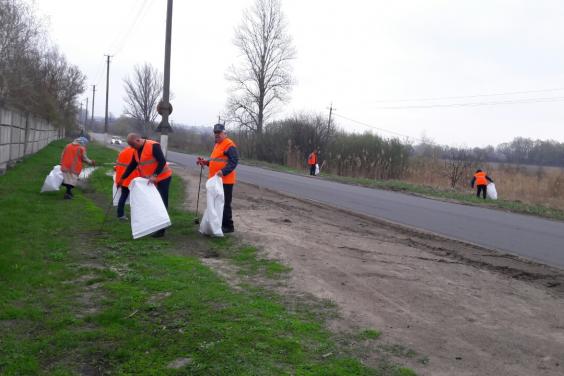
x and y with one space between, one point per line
460 309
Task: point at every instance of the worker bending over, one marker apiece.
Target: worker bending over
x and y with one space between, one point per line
223 162
124 158
150 163
72 160
481 180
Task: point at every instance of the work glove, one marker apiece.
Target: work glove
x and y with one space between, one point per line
201 161
119 183
93 163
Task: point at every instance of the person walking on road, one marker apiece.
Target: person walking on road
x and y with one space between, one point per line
72 159
123 160
481 180
149 161
312 161
223 162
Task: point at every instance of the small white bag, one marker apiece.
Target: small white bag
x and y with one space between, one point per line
213 215
54 180
116 193
316 169
491 192
148 213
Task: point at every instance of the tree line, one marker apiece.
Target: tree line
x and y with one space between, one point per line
518 151
35 77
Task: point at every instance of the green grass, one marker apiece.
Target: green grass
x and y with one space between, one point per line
426 191
370 334
75 300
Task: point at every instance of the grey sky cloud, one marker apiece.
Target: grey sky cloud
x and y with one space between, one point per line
353 53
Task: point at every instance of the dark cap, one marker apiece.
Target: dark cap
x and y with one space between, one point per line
219 128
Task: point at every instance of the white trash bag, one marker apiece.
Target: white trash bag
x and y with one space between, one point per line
213 215
116 193
317 169
54 180
491 192
148 213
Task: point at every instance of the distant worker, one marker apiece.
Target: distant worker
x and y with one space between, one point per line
312 162
150 163
72 160
124 158
223 162
481 180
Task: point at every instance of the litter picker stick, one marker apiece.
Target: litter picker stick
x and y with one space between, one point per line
197 220
108 211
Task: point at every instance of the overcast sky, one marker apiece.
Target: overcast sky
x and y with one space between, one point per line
383 63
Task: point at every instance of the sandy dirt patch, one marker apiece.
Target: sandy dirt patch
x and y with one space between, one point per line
463 309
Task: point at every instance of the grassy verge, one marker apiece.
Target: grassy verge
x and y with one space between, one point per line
77 300
426 191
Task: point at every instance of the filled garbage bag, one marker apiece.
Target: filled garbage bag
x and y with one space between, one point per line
213 215
491 192
54 180
116 193
316 169
148 213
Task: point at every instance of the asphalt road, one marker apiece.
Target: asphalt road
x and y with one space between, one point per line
527 236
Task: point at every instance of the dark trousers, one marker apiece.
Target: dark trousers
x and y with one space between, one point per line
227 213
312 169
163 187
68 187
482 189
121 202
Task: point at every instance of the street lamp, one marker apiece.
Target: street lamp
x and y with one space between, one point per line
164 108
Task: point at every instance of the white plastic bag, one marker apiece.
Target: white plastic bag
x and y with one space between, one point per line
491 192
148 213
316 169
54 180
213 215
116 193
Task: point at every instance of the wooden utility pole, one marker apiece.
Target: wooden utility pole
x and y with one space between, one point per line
86 114
93 98
107 93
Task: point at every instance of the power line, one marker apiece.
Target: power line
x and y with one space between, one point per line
469 96
474 104
119 43
373 126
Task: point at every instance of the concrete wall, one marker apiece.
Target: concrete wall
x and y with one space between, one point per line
22 135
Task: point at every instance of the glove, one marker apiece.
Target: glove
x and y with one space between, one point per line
119 183
201 161
93 163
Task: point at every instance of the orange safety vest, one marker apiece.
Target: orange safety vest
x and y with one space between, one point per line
71 159
123 160
218 160
481 178
147 164
312 159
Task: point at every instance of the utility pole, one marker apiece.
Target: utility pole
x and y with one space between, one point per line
165 108
107 96
80 113
93 98
330 114
86 114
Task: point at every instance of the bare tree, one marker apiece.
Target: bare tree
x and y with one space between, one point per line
458 165
143 92
264 75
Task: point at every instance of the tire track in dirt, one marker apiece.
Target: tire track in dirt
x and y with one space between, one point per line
470 310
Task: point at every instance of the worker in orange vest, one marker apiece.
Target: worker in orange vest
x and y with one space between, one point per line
312 162
481 180
72 160
223 162
123 160
150 163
